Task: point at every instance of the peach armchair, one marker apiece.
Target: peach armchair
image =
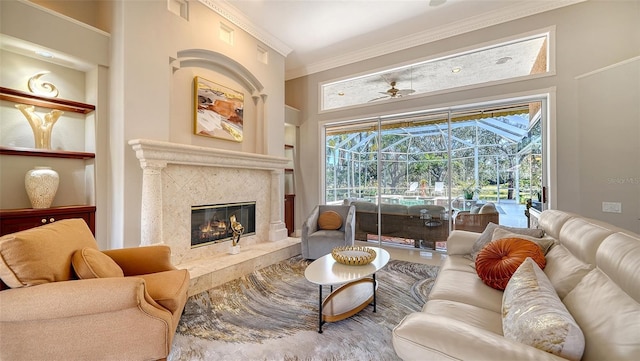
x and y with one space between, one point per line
69 301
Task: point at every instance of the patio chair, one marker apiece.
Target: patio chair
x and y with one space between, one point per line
413 189
438 189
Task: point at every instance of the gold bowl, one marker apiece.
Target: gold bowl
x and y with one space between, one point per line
353 256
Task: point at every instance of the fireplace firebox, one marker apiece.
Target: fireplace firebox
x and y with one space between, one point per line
210 223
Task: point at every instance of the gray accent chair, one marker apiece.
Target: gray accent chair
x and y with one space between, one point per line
319 242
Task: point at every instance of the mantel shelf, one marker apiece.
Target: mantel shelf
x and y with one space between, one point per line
50 103
29 152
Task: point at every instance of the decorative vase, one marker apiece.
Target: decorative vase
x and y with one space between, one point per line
41 127
235 249
41 184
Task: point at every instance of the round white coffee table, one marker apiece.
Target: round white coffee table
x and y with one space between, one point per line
357 286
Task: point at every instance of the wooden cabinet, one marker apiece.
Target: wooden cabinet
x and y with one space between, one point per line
289 211
15 220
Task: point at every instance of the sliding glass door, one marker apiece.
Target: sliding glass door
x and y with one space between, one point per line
411 176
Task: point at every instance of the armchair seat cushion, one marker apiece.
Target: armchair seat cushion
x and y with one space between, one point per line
168 288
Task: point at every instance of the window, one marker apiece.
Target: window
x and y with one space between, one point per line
499 62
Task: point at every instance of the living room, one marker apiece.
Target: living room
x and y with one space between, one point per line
592 150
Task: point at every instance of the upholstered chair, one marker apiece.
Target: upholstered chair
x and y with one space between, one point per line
67 300
327 227
476 220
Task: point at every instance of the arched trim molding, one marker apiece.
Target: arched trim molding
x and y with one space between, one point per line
207 59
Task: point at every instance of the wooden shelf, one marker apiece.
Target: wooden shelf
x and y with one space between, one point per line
288 146
14 220
30 152
18 96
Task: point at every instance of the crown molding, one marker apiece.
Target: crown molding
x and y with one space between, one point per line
517 11
237 18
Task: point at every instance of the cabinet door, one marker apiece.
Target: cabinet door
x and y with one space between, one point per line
18 220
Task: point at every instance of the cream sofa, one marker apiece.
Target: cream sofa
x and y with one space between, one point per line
594 268
69 301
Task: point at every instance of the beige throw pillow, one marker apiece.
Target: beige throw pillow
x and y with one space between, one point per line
533 314
487 235
91 263
544 243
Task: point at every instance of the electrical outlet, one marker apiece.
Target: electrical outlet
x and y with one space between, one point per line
612 207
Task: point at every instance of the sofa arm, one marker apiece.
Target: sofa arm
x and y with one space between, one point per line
142 260
423 336
461 242
57 300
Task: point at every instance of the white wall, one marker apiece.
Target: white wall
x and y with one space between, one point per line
589 36
149 100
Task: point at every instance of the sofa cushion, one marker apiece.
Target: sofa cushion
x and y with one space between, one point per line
564 270
43 254
500 259
329 220
465 287
533 314
91 263
487 235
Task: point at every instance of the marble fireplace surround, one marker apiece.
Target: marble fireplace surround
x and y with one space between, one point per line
178 176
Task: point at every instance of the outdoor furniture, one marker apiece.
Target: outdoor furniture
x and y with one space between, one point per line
477 218
413 189
321 233
428 223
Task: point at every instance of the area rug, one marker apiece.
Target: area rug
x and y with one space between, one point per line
271 314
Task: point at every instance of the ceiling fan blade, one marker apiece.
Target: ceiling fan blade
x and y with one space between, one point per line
402 92
379 98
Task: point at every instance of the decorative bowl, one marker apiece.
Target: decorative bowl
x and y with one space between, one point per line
353 256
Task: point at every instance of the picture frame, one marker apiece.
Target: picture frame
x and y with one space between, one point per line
218 110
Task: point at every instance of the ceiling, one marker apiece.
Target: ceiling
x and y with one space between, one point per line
317 35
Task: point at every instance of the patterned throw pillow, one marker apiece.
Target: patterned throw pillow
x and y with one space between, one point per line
500 259
329 220
533 314
487 235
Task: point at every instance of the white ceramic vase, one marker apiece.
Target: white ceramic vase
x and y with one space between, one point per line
41 184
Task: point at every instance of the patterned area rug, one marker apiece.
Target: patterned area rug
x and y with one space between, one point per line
271 314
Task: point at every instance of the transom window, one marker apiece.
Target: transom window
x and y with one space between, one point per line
500 62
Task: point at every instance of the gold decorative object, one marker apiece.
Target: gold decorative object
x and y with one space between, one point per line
353 255
38 87
41 128
237 230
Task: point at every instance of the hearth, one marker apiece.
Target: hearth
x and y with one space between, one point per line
210 223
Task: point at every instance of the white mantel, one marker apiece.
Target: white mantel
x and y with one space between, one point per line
178 176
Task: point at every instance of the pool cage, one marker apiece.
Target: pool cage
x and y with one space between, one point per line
493 157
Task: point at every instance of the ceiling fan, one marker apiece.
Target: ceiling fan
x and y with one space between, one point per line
394 92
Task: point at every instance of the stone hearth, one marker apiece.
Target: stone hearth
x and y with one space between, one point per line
178 176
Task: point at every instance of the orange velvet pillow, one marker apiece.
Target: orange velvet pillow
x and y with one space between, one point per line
498 260
329 220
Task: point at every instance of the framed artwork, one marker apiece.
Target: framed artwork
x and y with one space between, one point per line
218 110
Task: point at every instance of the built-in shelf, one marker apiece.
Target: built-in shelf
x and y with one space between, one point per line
30 152
18 96
288 146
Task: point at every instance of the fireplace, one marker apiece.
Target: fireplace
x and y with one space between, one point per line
210 223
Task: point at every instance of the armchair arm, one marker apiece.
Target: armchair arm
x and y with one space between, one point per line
142 260
350 226
58 300
461 242
311 224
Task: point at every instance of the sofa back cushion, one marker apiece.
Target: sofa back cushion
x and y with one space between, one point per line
582 238
43 254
